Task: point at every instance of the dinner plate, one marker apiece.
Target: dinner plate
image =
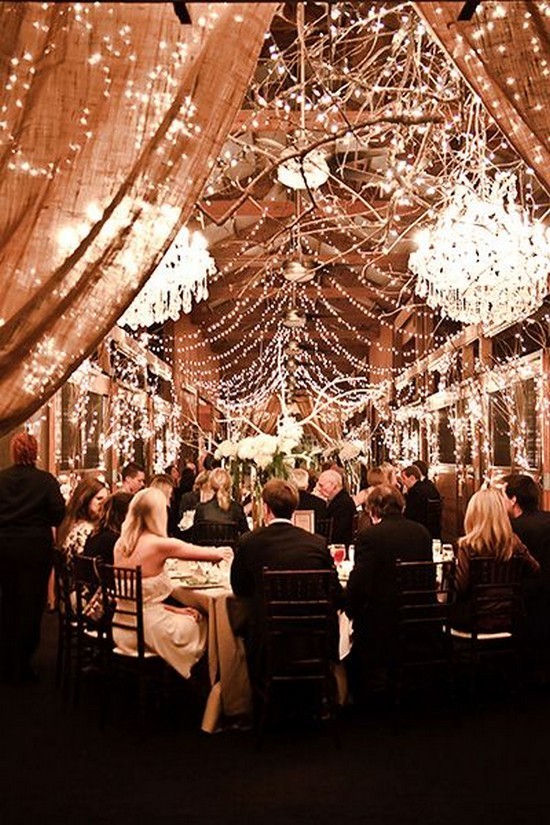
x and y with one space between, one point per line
186 582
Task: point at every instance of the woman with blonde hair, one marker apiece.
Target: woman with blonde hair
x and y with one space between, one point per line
488 534
221 509
177 634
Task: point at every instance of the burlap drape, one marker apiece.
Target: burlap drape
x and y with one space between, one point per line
111 118
503 52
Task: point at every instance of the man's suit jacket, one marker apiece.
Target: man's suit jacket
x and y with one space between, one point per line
416 506
342 511
308 501
372 586
533 529
280 546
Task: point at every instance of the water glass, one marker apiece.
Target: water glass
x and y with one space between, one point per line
447 552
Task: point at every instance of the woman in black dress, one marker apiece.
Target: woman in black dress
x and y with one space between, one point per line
101 542
31 505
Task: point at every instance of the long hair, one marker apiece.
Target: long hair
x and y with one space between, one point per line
78 505
487 527
147 513
114 512
220 483
24 449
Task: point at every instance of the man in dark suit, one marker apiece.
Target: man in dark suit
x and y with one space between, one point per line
307 500
372 587
340 506
420 493
279 545
532 526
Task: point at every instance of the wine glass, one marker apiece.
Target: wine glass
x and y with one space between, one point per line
338 553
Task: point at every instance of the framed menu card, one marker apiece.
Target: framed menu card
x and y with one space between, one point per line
304 519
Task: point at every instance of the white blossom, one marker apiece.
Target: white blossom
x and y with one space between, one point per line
227 449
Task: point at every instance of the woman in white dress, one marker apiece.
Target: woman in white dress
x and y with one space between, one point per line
177 634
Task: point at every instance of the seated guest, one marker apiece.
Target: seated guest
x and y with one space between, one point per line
278 545
372 587
84 509
532 526
165 483
529 522
426 482
307 500
189 501
221 508
391 476
488 534
177 634
340 506
374 476
417 500
133 478
101 541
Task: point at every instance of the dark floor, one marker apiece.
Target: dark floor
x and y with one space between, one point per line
488 765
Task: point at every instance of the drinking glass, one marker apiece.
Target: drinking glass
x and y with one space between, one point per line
447 552
338 553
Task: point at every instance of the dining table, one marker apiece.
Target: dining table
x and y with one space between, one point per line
206 587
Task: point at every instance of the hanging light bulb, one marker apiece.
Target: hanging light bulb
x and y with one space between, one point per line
294 319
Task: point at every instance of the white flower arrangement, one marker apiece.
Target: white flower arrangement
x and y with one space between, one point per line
263 449
350 450
227 449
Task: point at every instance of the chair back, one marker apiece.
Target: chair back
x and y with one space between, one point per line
323 527
213 533
122 586
497 594
85 578
423 625
299 619
63 585
423 589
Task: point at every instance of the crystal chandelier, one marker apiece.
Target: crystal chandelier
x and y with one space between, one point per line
180 277
484 260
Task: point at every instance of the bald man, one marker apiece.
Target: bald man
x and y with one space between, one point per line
340 506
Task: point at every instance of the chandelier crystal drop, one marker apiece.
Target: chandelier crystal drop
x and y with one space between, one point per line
485 259
180 278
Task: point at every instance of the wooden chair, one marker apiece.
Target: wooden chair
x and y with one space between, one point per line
92 620
67 623
423 628
122 596
299 626
213 533
323 527
497 616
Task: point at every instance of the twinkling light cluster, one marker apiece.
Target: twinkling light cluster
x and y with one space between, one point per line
396 125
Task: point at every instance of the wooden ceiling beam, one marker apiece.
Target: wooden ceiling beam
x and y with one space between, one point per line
355 258
215 209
